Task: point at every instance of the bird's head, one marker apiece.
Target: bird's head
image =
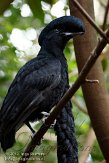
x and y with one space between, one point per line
62 29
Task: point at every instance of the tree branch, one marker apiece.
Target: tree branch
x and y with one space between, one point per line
80 80
91 21
96 95
105 16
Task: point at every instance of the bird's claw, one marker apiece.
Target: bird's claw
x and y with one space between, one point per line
32 135
46 114
52 125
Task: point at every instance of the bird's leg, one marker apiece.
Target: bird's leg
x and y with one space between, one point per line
46 114
32 130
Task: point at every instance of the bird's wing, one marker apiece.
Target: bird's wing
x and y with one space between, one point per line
32 80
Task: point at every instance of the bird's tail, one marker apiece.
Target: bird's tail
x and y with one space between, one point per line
6 139
67 150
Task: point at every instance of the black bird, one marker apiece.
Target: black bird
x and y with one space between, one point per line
41 82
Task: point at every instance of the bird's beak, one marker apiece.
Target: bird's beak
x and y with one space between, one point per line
70 34
78 33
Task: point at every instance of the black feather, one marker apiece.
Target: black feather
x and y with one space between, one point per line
65 23
39 85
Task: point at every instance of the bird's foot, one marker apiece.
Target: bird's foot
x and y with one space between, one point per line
46 115
32 134
53 124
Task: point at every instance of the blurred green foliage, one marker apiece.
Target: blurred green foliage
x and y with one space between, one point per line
24 16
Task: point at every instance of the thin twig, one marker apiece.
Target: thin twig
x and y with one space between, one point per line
88 146
104 161
80 80
102 4
80 107
105 16
91 21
